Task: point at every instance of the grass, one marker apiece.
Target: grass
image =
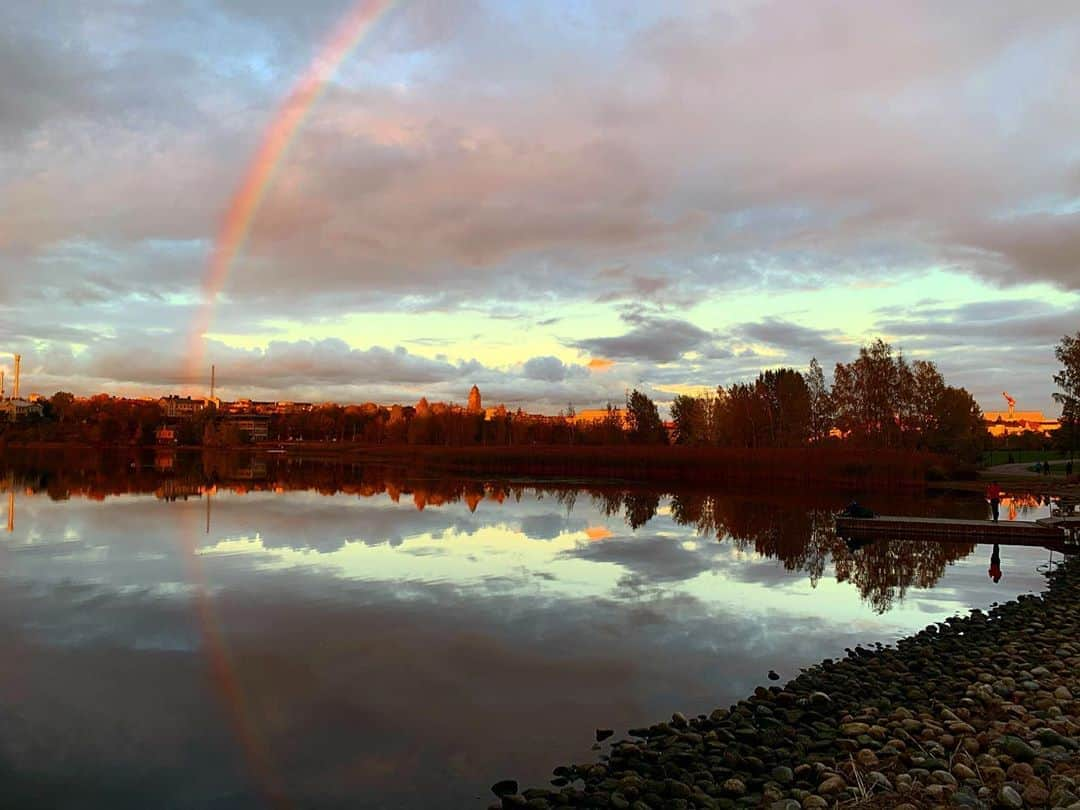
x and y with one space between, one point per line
999 456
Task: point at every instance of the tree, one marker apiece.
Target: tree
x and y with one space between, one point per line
1068 380
643 420
61 405
927 387
958 426
821 409
784 399
691 420
867 395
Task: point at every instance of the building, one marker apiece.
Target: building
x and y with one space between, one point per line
167 434
256 427
590 415
16 407
14 410
475 403
1011 422
176 407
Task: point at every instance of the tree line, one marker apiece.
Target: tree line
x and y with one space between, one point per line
879 399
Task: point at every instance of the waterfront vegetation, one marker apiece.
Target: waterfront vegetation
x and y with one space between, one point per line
879 400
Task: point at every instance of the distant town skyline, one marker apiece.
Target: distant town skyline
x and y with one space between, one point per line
555 202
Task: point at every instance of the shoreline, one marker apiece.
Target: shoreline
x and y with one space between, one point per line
976 711
822 468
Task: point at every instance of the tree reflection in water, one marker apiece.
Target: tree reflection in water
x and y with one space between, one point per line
798 533
806 540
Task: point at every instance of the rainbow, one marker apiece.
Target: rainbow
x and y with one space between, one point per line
353 29
235 226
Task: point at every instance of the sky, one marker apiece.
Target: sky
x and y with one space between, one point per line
555 201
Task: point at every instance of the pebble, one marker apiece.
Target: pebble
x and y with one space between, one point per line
1008 797
834 784
977 712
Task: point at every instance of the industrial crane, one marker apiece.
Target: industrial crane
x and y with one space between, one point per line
1011 401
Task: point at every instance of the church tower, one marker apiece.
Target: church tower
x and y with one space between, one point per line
475 405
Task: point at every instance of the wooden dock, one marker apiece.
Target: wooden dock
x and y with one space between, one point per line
1070 524
1004 532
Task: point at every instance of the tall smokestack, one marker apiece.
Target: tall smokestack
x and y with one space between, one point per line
1 383
18 363
213 380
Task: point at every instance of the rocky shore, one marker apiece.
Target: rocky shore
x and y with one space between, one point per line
977 711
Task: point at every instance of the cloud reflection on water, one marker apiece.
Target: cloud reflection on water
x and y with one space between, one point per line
398 657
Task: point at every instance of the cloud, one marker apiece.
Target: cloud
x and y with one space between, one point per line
547 368
1021 322
653 338
793 338
469 154
1041 246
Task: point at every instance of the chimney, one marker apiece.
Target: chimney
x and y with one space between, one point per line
18 363
213 380
1 383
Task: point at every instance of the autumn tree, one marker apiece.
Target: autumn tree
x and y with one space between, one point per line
643 420
1068 380
956 424
820 402
691 419
867 395
926 389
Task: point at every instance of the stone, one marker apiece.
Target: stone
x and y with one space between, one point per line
677 790
833 784
962 771
878 779
1017 749
943 778
505 787
603 733
935 792
734 788
1007 797
854 729
866 758
783 774
1020 772
1035 794
814 803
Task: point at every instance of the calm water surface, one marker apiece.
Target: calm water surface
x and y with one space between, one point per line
226 636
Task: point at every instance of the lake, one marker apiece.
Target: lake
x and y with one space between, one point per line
234 633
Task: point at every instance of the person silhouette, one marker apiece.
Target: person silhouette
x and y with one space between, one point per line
995 564
993 495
